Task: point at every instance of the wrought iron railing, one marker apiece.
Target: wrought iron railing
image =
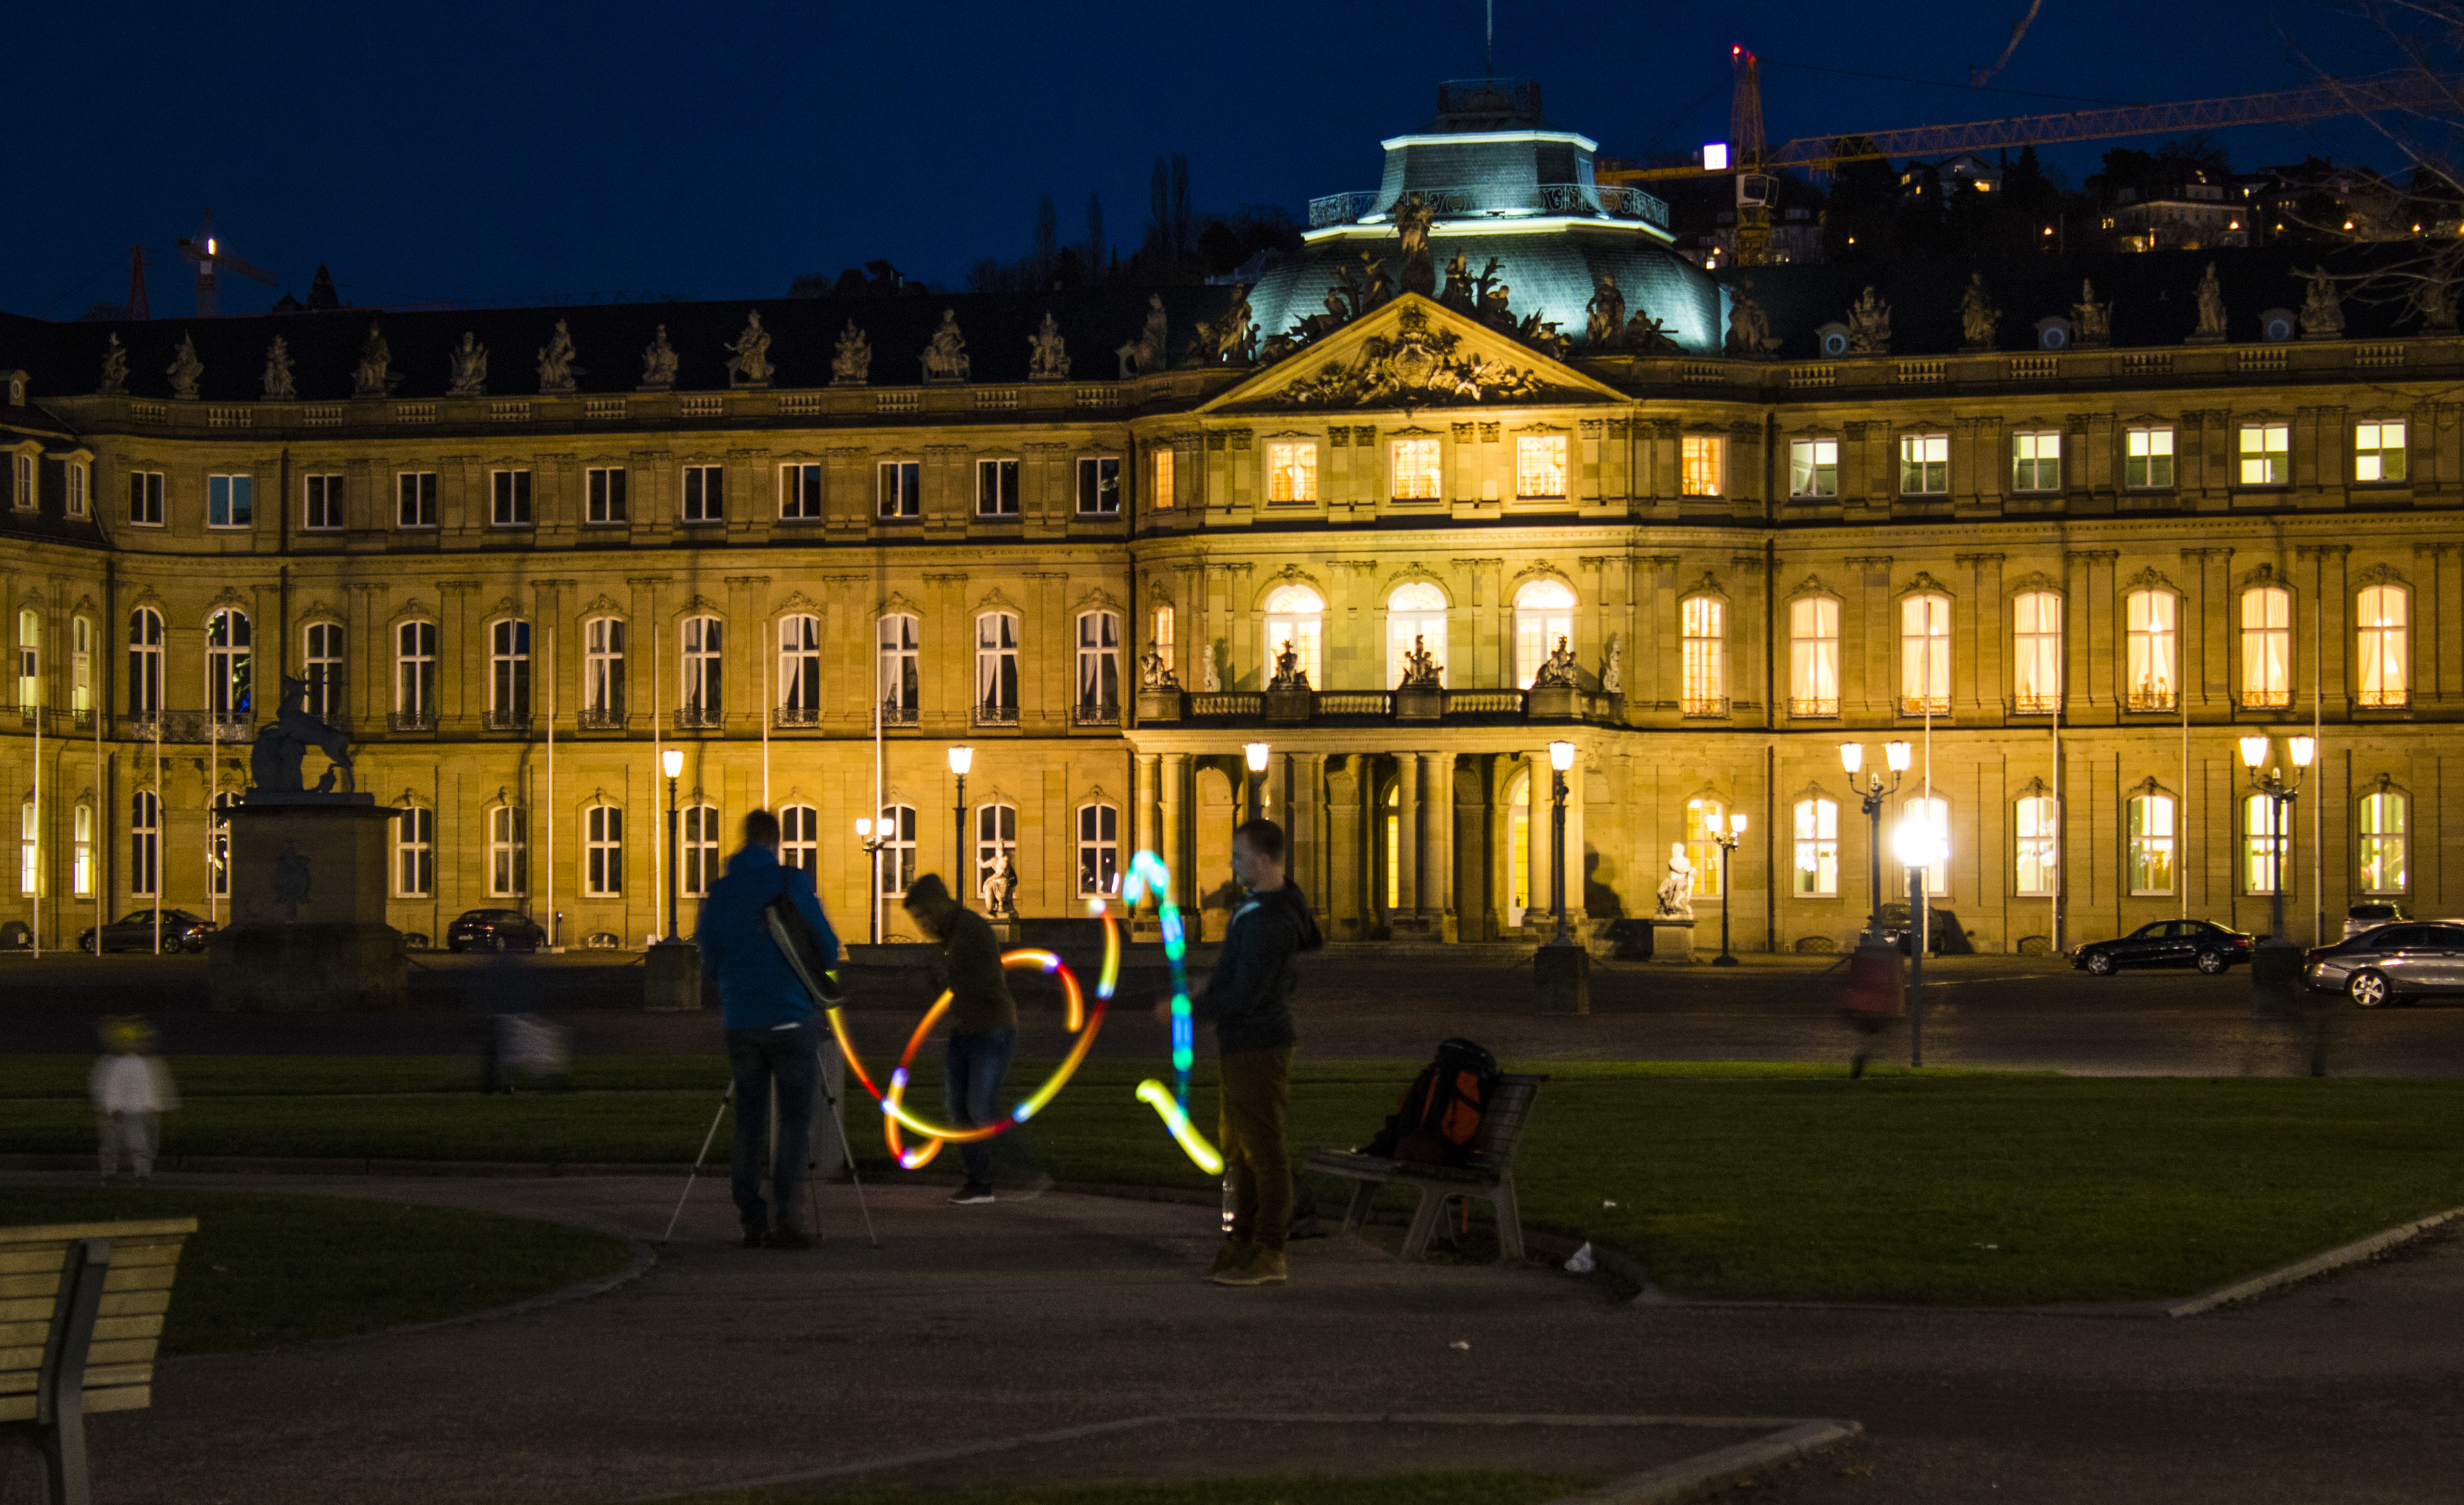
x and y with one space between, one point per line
412 721
2266 700
2150 697
1702 705
2385 699
786 716
602 719
893 715
1097 713
698 717
1803 706
1925 705
1590 200
231 726
2037 705
996 716
496 718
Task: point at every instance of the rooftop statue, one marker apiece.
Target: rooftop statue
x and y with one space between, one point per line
1676 895
1748 326
2211 306
1288 672
1646 335
749 366
1977 315
1461 291
469 362
1049 360
2091 321
374 376
945 359
185 370
556 367
1557 670
2434 298
1612 667
1412 217
1212 680
1377 284
851 364
277 372
1230 337
1604 330
1154 674
282 743
1869 325
1421 670
1543 332
1146 353
658 362
2322 312
114 370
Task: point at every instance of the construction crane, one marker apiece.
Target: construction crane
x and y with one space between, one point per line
205 251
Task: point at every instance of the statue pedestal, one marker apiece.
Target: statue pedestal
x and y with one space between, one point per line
671 978
1564 974
1672 941
308 903
1417 703
1158 705
1548 703
1289 707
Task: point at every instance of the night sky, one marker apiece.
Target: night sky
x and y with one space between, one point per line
529 151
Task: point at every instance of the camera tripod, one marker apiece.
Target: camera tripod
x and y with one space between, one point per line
812 1205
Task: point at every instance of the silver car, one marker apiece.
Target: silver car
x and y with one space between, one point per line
2371 915
2392 963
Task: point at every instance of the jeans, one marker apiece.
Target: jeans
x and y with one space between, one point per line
131 1132
761 1057
1257 1089
972 1069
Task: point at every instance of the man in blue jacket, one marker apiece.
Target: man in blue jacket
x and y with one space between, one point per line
768 1015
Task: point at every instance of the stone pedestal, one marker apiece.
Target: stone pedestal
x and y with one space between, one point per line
672 977
2276 986
1672 942
1564 974
1419 704
1548 703
1289 707
308 903
1158 705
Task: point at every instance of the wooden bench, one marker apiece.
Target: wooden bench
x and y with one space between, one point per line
81 1310
1490 1174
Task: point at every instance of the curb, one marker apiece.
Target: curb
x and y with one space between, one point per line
2352 1253
1718 1469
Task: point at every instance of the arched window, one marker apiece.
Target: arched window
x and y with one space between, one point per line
1297 618
2384 821
321 666
1936 810
1817 848
144 844
29 862
81 669
1159 634
2386 671
1703 626
602 672
1416 616
227 666
2259 845
1813 656
1544 613
799 670
144 661
1518 855
2152 643
1099 848
1704 817
997 669
218 844
2151 829
1394 823
509 673
2039 851
509 851
897 641
1099 667
415 679
1925 654
800 839
603 852
700 856
996 837
2036 643
29 658
414 852
703 671
2266 648
81 851
896 831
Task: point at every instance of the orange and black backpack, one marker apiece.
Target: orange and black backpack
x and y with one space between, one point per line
1438 1114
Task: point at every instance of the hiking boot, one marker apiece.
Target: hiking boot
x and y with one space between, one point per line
972 1193
789 1238
1264 1267
1234 1253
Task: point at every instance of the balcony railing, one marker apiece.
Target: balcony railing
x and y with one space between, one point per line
893 714
2147 697
601 719
698 717
1590 200
497 719
1925 705
1803 706
996 716
1356 702
1702 705
1096 713
2385 699
231 726
2266 700
788 716
412 721
2035 706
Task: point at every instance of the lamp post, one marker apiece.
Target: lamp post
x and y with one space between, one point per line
1872 793
672 762
1562 968
1728 840
1920 847
672 979
1561 757
1255 754
872 845
2275 967
961 758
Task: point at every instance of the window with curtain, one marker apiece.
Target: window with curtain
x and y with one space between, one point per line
2378 625
1099 666
2266 647
895 831
1705 816
997 667
1703 461
602 672
700 860
1415 611
1818 848
800 839
1540 466
1702 628
799 670
415 681
603 852
414 852
2383 823
1813 656
2037 853
2259 838
898 646
1814 467
30 866
701 645
1925 654
2150 833
1936 810
509 851
227 666
1544 613
1291 470
2151 643
1518 856
1295 616
1415 470
1099 848
2037 652
81 851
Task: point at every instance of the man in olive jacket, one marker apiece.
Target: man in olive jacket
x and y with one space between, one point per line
984 1023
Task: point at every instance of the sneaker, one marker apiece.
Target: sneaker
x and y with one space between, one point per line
972 1193
789 1238
1264 1267
754 1238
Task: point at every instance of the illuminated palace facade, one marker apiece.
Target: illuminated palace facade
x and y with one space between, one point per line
1077 534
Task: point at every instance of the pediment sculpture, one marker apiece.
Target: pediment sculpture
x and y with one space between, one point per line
946 358
1412 217
469 363
1421 670
2322 312
1154 674
1416 363
1869 325
851 364
1604 327
1749 331
1229 338
186 369
1288 672
278 385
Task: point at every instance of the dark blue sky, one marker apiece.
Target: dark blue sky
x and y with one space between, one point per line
519 150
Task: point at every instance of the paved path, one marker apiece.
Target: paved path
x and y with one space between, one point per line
987 1323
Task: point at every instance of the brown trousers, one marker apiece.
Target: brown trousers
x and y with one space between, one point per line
1257 1089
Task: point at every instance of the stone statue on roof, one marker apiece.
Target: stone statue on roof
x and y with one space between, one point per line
2091 321
1977 315
2434 298
658 362
114 370
1869 325
1414 215
1421 670
1612 667
1749 331
946 359
1146 353
374 376
185 370
1288 672
556 367
1646 335
1557 672
1461 291
2211 307
1154 674
2322 312
1604 331
851 364
277 372
1377 284
1049 359
749 363
1230 337
469 363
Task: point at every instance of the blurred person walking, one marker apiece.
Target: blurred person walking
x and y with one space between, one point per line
131 1089
984 1023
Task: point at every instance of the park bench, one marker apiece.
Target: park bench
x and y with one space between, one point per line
1489 1176
81 1310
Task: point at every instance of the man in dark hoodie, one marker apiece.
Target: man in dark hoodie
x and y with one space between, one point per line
769 1019
984 1023
1249 997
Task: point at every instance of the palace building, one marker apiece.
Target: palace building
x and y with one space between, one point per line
1485 468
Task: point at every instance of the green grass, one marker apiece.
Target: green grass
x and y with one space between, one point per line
1402 1489
1728 1180
264 1270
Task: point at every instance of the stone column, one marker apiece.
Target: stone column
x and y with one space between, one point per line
1142 803
1407 841
1535 770
1437 843
1305 822
1172 838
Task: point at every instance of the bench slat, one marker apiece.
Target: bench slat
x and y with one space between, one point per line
62 1234
119 1398
22 1260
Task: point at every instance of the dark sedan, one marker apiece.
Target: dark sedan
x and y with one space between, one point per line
2162 942
2391 962
494 930
181 931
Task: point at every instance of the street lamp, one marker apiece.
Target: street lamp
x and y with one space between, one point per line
2280 795
961 758
1852 757
1920 847
872 845
1256 754
672 762
1561 757
1728 840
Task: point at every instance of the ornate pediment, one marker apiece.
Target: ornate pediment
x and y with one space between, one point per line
2032 582
1924 584
1094 599
995 601
1811 586
797 604
2149 579
1412 353
898 604
319 611
2378 575
601 605
411 610
699 606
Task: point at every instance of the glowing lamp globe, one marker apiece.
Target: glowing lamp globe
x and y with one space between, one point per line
1852 755
1898 754
961 758
671 762
2304 748
2253 751
1561 756
1917 844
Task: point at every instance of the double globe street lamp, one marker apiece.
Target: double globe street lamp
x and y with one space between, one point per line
1872 792
961 758
1728 840
2275 965
1921 845
1255 754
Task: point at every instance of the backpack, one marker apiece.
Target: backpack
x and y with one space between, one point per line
1439 1115
793 934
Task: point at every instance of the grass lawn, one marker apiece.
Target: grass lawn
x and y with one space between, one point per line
263 1270
1743 1181
1408 1489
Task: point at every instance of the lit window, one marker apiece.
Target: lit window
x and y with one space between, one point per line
144 844
1099 485
997 483
1925 654
322 496
1099 848
1702 459
2147 458
230 501
1416 614
2378 451
2037 853
82 667
2036 461
2151 842
1702 629
1099 666
1291 472
800 839
1813 467
704 672
414 685
2383 822
605 490
29 658
1159 634
1813 656
1415 470
2380 620
1704 817
899 489
228 677
602 672
996 666
603 852
2264 453
705 494
1394 848
2267 647
996 838
509 851
1540 465
2036 633
2151 644
799 493
1818 848
81 851
29 862
1296 619
800 669
700 859
1544 616
898 643
1925 464
896 833
1159 477
414 852
415 500
2258 844
512 506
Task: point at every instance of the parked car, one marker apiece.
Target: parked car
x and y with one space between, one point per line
494 930
2202 943
135 931
2388 963
2368 917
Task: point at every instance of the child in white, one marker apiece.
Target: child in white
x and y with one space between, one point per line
130 1086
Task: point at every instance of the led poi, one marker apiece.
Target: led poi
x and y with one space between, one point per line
1148 872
